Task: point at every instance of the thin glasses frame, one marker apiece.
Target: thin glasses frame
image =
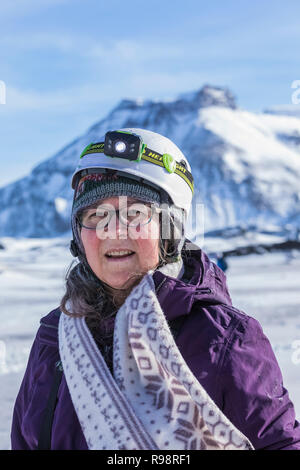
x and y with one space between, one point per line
123 220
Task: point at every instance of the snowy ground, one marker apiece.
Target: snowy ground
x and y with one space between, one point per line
32 273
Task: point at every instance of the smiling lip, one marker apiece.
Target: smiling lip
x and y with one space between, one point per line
119 259
124 254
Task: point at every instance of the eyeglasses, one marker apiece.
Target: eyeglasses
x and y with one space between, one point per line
131 216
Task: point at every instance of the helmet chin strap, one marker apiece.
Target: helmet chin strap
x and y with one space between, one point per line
74 248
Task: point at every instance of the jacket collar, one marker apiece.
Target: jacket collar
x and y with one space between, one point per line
202 281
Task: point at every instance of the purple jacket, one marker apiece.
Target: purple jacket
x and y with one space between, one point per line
225 349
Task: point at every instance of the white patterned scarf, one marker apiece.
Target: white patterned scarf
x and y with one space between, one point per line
153 400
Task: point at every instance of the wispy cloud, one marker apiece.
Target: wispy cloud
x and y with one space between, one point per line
106 49
77 98
137 51
61 101
18 8
40 41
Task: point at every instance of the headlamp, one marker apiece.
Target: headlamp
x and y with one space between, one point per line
123 145
129 146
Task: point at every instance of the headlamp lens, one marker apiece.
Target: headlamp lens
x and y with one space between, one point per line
120 147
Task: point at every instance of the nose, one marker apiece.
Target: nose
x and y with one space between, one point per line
115 227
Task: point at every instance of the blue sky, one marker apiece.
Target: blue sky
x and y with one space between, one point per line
66 63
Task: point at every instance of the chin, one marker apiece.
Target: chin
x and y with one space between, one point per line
120 283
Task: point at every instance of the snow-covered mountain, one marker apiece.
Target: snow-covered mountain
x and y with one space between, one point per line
246 165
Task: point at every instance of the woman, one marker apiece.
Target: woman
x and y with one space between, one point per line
153 354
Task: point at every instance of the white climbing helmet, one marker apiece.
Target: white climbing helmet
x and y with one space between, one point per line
145 155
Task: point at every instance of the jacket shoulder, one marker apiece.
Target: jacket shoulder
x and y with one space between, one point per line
219 321
251 376
48 330
52 318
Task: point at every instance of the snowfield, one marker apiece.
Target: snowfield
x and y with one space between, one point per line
32 273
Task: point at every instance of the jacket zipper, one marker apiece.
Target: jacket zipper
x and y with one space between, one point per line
201 290
159 286
49 326
204 290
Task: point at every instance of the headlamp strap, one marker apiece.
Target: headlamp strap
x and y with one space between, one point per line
152 157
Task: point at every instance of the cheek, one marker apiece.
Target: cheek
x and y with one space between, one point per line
147 242
148 253
91 244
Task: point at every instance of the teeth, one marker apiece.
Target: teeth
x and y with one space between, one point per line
119 253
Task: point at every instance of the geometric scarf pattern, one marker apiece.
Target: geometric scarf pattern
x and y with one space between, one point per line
152 401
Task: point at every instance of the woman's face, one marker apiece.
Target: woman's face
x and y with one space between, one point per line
102 244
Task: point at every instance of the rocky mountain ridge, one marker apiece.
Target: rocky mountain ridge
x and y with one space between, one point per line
246 165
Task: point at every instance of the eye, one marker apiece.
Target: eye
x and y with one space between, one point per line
137 211
101 212
89 215
92 216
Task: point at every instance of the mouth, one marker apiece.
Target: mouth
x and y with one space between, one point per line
119 255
